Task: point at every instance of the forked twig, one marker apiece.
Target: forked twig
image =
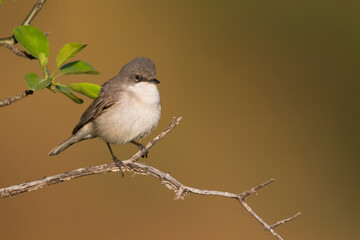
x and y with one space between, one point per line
132 165
9 42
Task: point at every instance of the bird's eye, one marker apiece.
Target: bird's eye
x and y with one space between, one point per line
137 77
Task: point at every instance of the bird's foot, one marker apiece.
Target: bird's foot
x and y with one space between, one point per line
144 151
119 164
142 148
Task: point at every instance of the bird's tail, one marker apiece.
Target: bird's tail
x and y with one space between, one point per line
64 145
82 134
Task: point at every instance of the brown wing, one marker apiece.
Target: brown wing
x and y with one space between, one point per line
93 111
105 100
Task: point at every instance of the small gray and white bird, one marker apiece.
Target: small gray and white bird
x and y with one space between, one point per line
128 108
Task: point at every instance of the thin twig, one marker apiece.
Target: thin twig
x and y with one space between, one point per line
285 220
132 165
9 42
15 98
17 52
34 11
253 190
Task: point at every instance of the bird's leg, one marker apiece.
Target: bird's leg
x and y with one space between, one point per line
118 163
142 148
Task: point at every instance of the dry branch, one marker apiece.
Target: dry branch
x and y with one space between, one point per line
132 165
15 98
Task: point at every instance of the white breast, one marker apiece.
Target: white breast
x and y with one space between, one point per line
133 117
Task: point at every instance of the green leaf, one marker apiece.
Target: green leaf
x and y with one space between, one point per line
43 60
68 51
77 67
63 89
32 40
88 89
34 82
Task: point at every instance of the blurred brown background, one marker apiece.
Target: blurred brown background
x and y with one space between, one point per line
267 89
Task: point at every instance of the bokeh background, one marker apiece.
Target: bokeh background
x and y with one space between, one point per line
266 89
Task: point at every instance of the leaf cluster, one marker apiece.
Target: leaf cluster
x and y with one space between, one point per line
35 42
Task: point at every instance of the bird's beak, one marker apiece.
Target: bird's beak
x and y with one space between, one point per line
154 80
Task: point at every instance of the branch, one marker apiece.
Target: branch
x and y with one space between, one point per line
34 11
9 42
14 99
132 165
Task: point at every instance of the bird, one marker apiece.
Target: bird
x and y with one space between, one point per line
127 109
